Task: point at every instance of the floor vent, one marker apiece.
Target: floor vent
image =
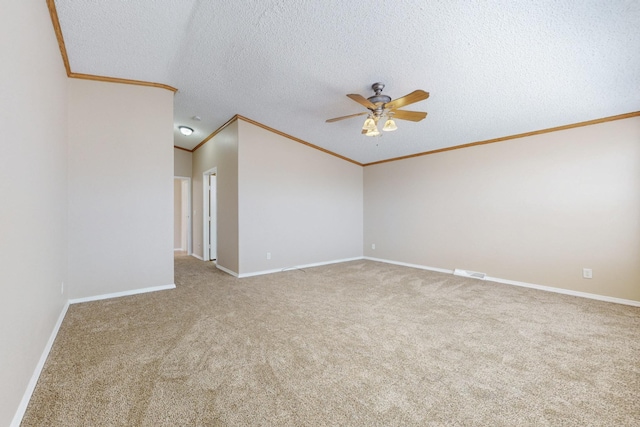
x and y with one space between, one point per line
468 273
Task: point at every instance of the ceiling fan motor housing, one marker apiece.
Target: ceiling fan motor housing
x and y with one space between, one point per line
378 98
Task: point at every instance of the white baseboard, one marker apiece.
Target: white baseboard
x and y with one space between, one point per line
421 267
22 407
178 250
280 270
226 270
263 272
122 294
195 255
565 291
523 284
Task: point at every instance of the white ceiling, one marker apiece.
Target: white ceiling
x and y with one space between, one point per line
493 68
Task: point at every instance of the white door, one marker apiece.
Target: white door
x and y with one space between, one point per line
185 243
213 247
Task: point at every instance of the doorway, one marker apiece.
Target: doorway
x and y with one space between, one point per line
210 217
182 214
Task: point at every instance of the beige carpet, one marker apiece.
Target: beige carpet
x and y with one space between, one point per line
354 344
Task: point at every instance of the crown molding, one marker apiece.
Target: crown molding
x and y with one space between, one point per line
293 138
123 81
270 129
65 58
507 138
425 153
215 132
56 27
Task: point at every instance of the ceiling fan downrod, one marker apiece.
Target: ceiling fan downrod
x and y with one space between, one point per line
378 98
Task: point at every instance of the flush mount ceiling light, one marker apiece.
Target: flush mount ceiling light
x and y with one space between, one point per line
186 131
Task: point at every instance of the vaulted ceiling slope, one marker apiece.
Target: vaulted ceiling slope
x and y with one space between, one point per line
493 68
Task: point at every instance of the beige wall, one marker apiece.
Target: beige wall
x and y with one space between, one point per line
181 162
299 204
220 152
120 187
33 190
535 210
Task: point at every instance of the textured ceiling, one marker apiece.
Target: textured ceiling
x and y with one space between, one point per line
493 68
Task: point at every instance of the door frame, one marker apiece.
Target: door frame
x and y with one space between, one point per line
189 212
206 252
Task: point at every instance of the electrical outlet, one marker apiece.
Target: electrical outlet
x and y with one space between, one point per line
268 255
373 246
587 273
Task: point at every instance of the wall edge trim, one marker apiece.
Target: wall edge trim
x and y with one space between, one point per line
510 137
122 294
26 398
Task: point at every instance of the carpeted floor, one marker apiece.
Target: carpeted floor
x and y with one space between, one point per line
353 344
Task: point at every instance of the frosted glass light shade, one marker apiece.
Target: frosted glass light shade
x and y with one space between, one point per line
389 126
185 130
369 124
373 132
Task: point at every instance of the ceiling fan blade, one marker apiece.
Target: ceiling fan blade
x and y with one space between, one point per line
345 117
415 96
414 116
362 100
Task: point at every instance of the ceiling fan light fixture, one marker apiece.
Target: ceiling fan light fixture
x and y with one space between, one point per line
373 132
383 107
389 125
369 124
186 131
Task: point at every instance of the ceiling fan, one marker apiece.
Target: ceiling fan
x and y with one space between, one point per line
381 106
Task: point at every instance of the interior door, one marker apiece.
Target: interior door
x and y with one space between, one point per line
213 220
185 241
